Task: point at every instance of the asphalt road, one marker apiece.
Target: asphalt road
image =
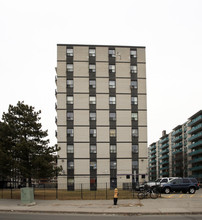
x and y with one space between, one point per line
30 216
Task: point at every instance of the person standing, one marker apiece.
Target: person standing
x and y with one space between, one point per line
116 193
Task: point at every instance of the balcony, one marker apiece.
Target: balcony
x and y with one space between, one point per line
196 168
196 120
163 140
164 162
195 152
195 137
177 145
196 160
164 145
196 128
153 156
177 139
164 157
152 147
164 168
164 151
179 131
177 151
199 143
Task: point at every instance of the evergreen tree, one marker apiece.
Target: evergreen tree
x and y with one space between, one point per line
32 158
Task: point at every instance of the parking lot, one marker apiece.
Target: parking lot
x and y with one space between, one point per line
197 195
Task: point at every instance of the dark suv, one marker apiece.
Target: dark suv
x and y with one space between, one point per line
181 184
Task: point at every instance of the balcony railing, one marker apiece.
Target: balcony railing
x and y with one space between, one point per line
194 129
177 145
196 168
199 118
195 152
196 160
196 136
179 131
199 143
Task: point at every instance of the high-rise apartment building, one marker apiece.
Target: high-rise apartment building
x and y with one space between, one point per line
101 115
179 153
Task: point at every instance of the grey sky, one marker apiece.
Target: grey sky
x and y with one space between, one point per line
171 30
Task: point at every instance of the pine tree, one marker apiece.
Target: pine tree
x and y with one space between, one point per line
32 158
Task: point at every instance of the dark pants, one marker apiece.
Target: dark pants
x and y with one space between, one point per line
115 201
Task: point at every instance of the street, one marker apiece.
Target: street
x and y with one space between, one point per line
31 216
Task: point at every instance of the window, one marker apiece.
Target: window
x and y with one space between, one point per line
113 149
112 116
134 100
133 69
112 84
112 68
70 181
70 100
112 53
134 84
70 149
92 68
91 52
92 100
70 165
69 83
70 67
112 132
135 148
92 116
134 116
112 100
70 132
70 52
93 149
133 53
135 164
92 84
70 116
113 165
93 165
93 132
135 132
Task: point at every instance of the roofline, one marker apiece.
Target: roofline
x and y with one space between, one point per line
96 45
196 114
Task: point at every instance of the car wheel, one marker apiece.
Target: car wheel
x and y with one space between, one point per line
167 190
192 190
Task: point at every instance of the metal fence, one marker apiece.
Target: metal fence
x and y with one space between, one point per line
81 191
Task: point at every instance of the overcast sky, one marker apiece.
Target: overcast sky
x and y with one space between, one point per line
171 31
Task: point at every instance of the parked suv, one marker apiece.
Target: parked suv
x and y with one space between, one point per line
181 184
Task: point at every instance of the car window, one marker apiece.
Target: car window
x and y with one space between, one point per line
193 180
164 181
185 180
176 181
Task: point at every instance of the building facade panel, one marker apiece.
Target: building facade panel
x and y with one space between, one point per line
124 150
103 117
81 150
102 54
102 85
81 134
123 101
81 101
81 85
81 69
123 86
81 53
81 117
123 118
61 69
122 69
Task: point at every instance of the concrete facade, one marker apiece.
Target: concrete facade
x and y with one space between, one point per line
101 116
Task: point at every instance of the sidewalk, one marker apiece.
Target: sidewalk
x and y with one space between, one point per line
124 207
